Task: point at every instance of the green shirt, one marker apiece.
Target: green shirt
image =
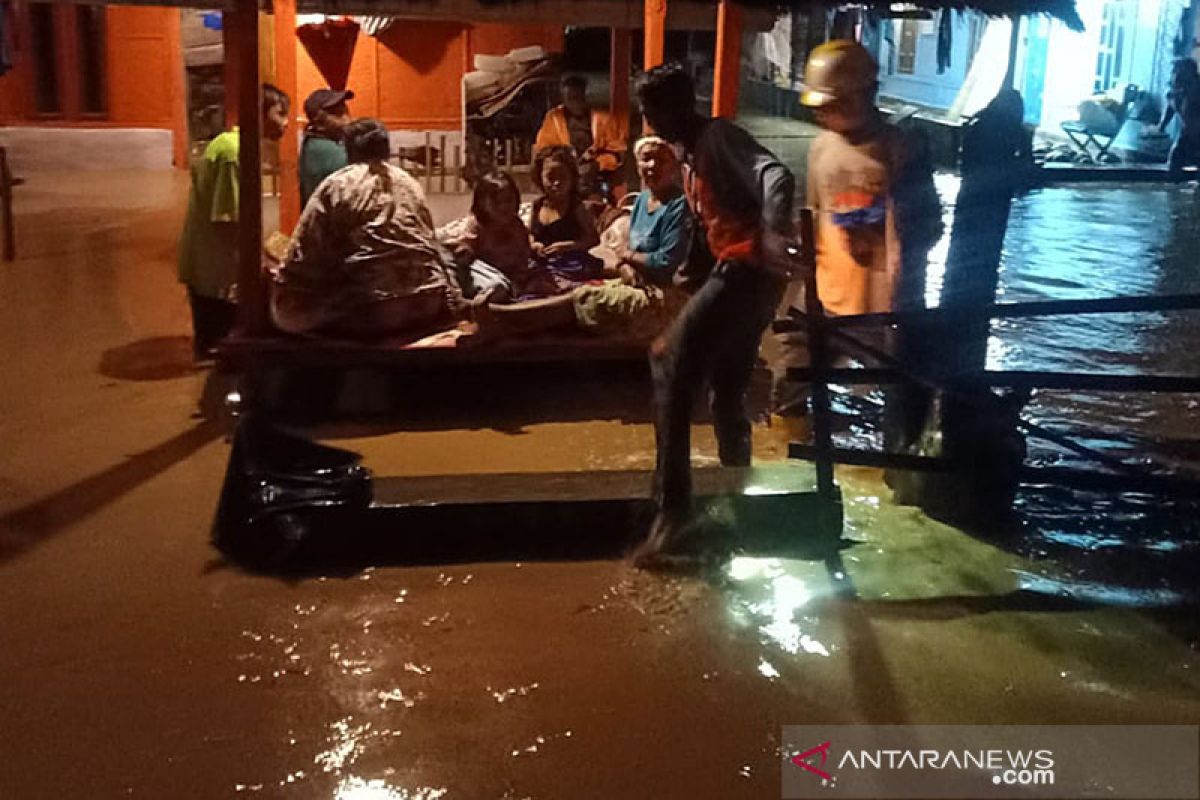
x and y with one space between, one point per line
319 158
208 246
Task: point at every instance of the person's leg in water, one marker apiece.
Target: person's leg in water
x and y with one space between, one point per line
757 294
212 320
680 362
1185 152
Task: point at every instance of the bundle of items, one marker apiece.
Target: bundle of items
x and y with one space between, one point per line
497 80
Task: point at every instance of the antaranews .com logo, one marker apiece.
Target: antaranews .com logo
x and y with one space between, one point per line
1008 767
991 761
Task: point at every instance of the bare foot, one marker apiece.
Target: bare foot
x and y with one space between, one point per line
660 548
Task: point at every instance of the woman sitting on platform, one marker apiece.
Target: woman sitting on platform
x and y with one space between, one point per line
561 229
364 261
641 299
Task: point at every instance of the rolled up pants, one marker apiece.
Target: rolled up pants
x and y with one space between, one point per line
714 340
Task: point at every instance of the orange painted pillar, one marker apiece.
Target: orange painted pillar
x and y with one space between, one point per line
289 146
252 296
728 69
178 94
655 23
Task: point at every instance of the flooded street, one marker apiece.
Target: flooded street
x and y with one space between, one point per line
136 662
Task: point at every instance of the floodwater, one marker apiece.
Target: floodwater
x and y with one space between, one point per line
136 662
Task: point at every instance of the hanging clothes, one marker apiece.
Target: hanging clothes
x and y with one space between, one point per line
872 33
945 40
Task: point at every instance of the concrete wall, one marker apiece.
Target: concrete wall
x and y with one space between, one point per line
36 149
144 79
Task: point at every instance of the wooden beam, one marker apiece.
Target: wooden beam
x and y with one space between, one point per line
231 70
252 308
655 25
728 68
289 147
619 65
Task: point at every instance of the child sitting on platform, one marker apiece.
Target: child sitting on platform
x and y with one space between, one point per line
491 246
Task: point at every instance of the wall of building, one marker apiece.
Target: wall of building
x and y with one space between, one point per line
144 74
1056 67
410 76
925 86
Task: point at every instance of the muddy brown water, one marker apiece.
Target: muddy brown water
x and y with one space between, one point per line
135 662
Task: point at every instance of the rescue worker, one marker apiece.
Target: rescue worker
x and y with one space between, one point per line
877 212
742 197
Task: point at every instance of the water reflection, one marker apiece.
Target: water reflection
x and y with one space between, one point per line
770 598
1073 242
355 788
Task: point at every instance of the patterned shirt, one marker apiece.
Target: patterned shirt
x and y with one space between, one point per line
366 235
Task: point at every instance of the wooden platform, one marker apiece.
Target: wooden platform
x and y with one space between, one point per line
444 348
763 511
787 478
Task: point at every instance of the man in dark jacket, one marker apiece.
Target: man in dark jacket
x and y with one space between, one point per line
742 196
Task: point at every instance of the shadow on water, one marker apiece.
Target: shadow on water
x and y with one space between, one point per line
24 528
156 359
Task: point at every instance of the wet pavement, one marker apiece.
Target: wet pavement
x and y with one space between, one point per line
136 662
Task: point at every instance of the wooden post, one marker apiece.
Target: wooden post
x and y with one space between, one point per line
289 147
6 207
428 162
442 164
655 23
231 69
618 69
252 295
818 349
728 68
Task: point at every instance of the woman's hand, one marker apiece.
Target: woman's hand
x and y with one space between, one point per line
537 249
558 248
629 275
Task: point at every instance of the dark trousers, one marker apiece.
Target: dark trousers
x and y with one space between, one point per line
1185 152
714 339
212 320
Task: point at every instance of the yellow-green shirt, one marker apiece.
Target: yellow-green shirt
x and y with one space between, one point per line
208 246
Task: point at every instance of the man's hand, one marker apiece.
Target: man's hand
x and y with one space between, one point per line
538 249
629 275
779 252
557 248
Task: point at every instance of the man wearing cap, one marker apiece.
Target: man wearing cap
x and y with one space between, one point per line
323 153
